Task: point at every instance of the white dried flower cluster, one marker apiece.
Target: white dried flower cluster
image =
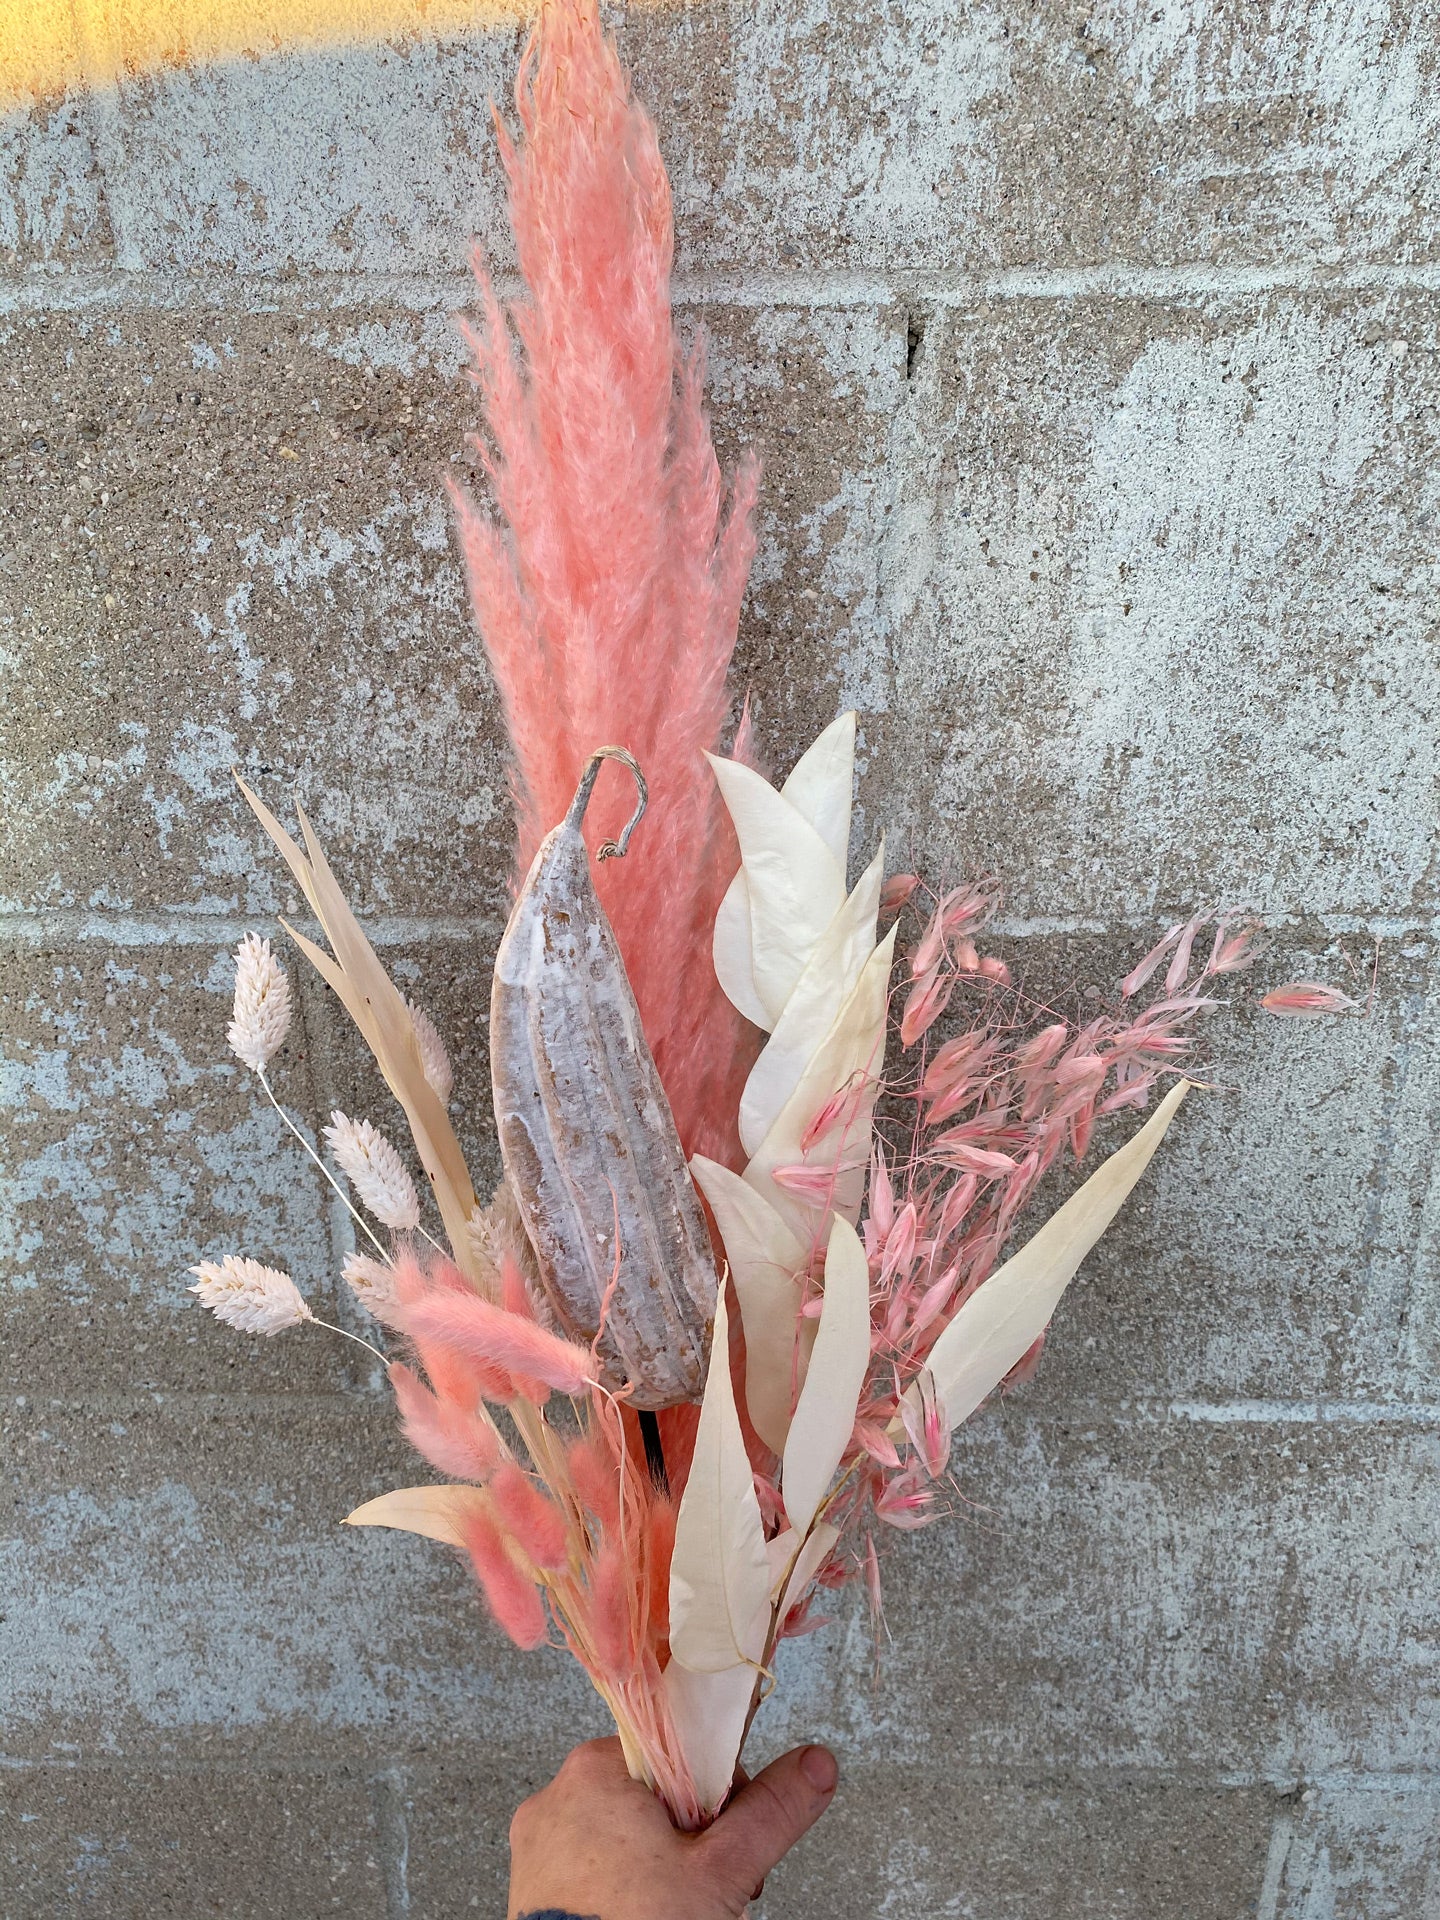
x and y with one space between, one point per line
433 1057
247 1295
371 1281
260 1018
375 1170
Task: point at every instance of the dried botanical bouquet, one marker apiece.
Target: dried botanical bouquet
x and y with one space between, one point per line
714 1330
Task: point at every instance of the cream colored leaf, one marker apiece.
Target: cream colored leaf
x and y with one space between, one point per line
795 885
852 1053
731 953
825 1412
709 1711
825 984
719 1575
1007 1313
434 1512
764 1257
822 783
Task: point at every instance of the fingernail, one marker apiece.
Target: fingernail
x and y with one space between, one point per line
819 1767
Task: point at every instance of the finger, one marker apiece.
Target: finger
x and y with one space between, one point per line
597 1760
768 1815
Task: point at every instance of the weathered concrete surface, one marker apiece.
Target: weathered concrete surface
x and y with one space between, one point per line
1092 358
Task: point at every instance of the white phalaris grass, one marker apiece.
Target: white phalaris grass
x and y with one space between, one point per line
249 1295
260 1018
371 1281
434 1060
375 1170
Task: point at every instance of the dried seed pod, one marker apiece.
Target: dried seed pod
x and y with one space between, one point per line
586 1133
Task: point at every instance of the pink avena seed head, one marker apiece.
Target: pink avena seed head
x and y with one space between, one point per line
1307 1000
533 1522
897 891
925 1003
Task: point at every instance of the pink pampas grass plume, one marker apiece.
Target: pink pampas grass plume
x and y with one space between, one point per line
247 1295
513 1599
533 1522
608 592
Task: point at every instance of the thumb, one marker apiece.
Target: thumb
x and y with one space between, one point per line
767 1816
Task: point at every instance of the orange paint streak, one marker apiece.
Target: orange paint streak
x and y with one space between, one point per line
49 47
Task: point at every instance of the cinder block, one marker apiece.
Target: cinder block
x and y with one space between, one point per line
180 1587
131 1843
1365 1852
1150 604
1279 1247
232 547
52 207
936 138
135 1144
920 1842
1248 1598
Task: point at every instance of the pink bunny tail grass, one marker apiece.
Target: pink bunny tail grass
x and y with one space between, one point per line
459 1377
608 591
533 1522
454 1441
610 1615
513 1599
595 1472
475 1328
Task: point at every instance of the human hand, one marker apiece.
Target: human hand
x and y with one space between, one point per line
598 1844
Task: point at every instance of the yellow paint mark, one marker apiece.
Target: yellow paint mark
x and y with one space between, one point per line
48 47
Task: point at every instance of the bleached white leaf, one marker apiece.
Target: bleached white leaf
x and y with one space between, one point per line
1006 1315
825 984
825 1412
822 784
764 1257
709 1711
731 952
795 884
435 1512
719 1575
852 1051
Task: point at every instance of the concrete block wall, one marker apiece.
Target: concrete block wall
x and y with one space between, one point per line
1091 352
